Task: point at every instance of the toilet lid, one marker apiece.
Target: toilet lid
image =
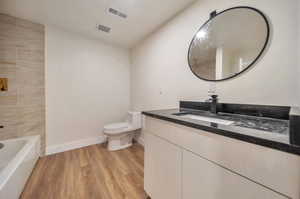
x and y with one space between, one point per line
116 126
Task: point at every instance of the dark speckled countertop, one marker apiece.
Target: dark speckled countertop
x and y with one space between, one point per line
264 131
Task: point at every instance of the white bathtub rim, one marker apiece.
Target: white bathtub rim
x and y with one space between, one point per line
13 164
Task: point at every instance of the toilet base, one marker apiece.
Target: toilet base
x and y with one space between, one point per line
118 142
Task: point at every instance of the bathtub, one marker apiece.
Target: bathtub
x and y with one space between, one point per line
17 160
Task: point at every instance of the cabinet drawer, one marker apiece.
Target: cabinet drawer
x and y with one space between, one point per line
204 179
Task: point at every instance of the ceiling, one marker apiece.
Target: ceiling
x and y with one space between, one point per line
82 16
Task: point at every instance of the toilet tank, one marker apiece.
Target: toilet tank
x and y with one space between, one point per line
135 119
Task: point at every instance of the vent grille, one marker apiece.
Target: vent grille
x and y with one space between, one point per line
103 28
118 13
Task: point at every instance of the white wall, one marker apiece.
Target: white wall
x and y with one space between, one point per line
160 76
87 86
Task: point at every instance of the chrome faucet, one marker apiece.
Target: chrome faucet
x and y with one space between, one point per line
213 103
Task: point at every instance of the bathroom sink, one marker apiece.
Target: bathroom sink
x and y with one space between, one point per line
207 119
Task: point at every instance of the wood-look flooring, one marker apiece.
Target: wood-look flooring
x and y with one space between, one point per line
88 173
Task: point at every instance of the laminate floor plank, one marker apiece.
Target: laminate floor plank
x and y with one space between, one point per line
91 172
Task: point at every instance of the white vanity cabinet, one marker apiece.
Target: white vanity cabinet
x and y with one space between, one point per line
187 163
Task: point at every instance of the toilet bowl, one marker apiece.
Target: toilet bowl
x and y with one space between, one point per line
120 135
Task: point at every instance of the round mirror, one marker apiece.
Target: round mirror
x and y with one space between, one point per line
228 43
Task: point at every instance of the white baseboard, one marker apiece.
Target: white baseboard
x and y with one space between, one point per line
74 145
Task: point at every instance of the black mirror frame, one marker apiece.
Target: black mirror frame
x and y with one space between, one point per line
253 62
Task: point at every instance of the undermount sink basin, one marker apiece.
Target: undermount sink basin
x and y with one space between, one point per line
207 119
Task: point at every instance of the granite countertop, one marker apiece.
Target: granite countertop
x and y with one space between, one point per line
264 131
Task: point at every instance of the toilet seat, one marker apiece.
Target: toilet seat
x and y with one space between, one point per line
116 128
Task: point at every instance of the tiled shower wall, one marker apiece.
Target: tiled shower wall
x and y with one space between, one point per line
22 107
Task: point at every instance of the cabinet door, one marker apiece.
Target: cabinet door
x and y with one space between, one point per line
204 179
162 168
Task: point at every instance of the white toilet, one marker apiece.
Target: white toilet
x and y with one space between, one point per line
120 135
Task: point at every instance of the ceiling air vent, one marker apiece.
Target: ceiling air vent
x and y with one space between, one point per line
118 13
104 28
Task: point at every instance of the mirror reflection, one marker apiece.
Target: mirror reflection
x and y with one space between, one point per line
228 44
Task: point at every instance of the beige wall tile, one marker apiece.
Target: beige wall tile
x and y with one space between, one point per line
8 69
28 55
7 28
29 26
8 100
9 132
6 19
9 116
22 107
8 54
